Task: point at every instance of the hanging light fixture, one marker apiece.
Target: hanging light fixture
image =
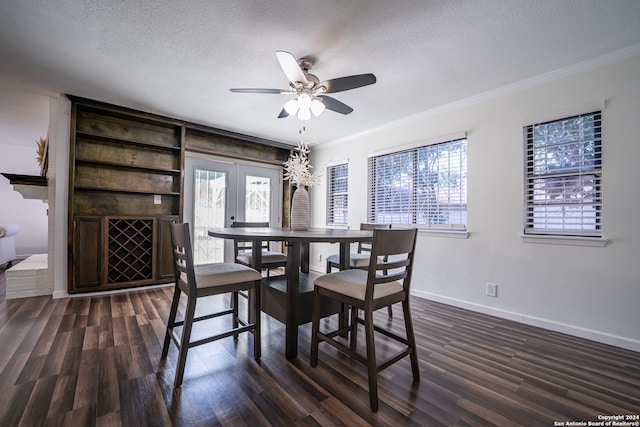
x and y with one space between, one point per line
317 106
304 114
304 105
291 107
304 101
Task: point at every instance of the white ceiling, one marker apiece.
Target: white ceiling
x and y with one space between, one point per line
179 58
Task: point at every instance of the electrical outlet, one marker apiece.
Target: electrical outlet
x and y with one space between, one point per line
157 199
320 258
491 289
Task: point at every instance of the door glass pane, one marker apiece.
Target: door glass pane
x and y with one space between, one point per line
209 212
257 199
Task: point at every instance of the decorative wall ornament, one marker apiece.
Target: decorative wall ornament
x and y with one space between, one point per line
42 155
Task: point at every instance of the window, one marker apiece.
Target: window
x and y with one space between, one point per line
563 185
426 185
257 204
337 194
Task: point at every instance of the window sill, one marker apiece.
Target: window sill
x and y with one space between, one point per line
594 242
451 234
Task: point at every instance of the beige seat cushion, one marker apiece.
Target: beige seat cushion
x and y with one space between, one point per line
356 260
268 257
224 274
353 283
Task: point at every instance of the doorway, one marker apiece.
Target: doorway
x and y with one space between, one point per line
220 191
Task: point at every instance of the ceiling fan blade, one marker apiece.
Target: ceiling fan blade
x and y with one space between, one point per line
283 114
255 90
346 83
290 67
335 105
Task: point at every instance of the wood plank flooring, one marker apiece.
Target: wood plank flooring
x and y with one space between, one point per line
95 361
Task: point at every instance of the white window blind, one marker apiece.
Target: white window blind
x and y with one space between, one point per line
424 185
337 194
563 185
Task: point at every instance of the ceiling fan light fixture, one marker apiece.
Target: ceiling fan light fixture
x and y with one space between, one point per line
291 107
304 114
304 101
309 90
317 106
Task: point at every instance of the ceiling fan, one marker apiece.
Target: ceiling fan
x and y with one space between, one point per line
308 90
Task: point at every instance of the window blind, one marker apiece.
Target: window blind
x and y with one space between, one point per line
563 185
337 194
423 185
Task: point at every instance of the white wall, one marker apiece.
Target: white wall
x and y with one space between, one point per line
30 214
586 291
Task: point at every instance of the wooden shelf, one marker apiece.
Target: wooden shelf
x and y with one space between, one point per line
26 179
30 186
124 166
140 117
123 141
125 190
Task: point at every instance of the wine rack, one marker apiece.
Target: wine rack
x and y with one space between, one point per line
130 255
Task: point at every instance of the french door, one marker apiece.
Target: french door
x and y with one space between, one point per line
218 192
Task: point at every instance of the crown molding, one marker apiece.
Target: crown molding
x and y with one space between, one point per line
545 78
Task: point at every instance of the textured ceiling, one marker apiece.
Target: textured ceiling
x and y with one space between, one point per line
179 58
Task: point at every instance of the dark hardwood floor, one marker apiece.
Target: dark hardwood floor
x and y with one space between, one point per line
96 361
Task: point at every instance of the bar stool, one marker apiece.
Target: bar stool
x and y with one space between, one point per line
203 281
385 282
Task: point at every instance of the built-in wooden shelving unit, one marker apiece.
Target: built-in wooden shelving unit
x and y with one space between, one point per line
125 188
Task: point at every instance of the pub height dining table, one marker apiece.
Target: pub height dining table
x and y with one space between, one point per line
288 298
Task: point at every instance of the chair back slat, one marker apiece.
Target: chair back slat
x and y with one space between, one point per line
392 253
238 224
391 271
394 263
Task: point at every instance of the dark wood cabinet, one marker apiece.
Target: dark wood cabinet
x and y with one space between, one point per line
87 252
124 189
121 251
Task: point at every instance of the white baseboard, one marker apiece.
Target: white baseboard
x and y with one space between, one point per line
110 292
65 294
59 294
577 331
